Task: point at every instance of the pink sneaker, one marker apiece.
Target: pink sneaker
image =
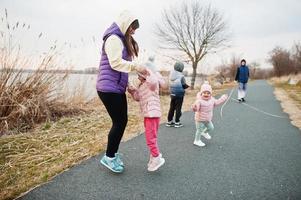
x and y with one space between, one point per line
156 163
151 159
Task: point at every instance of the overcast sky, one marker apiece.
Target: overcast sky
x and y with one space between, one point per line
257 26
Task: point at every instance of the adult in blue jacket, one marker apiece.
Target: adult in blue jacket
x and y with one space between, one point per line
242 77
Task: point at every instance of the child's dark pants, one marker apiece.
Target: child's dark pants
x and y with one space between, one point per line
175 105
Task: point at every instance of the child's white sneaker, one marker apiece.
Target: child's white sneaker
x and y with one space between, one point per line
151 159
199 143
156 163
206 135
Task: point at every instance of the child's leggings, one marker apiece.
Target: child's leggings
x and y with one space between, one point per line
202 127
151 126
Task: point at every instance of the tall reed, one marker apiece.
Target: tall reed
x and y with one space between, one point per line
28 96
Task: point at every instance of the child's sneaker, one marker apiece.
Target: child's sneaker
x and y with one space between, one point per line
178 125
111 164
199 143
170 124
206 135
151 159
156 163
118 159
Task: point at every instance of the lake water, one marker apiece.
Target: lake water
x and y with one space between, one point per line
86 84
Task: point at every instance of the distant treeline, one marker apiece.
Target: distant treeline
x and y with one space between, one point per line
53 71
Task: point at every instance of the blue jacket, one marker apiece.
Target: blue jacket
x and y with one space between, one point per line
242 74
177 81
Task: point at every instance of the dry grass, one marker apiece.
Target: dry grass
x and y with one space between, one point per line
289 105
28 98
290 97
284 80
27 160
293 91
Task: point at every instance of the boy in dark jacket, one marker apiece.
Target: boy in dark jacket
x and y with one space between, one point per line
242 77
177 92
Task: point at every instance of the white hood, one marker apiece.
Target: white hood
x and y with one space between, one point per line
124 20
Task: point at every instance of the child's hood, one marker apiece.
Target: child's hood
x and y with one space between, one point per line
174 75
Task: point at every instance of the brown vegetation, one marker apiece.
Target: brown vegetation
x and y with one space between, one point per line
285 61
32 97
290 96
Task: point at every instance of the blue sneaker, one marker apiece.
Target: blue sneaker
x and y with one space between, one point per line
118 159
111 164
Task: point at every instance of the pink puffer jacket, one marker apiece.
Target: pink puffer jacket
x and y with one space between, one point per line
204 108
147 94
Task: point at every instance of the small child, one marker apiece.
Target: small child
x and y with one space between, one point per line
177 93
147 94
203 108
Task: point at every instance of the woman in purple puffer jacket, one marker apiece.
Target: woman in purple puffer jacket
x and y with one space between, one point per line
118 50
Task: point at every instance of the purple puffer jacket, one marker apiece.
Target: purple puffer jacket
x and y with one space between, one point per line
110 80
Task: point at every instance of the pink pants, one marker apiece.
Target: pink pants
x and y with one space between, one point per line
151 126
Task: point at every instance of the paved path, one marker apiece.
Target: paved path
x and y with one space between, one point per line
251 156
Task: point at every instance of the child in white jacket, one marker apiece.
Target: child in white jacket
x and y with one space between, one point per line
147 94
203 108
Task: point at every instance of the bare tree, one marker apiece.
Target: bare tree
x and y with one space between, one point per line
194 30
296 55
253 68
223 70
234 64
228 69
281 60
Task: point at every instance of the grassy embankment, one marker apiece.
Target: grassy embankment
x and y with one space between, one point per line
290 96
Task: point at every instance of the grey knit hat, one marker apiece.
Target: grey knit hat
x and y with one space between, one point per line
179 66
150 64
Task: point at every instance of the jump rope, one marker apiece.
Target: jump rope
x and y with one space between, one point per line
245 104
249 106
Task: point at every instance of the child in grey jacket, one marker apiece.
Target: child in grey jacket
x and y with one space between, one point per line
177 92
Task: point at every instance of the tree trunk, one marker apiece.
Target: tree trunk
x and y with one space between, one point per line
194 66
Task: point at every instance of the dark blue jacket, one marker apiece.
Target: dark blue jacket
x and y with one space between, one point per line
242 74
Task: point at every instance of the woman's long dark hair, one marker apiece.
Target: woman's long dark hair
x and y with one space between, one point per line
130 43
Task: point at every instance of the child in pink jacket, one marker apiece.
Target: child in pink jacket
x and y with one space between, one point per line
203 108
147 94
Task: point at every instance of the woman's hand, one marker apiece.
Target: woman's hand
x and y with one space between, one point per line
142 70
131 89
